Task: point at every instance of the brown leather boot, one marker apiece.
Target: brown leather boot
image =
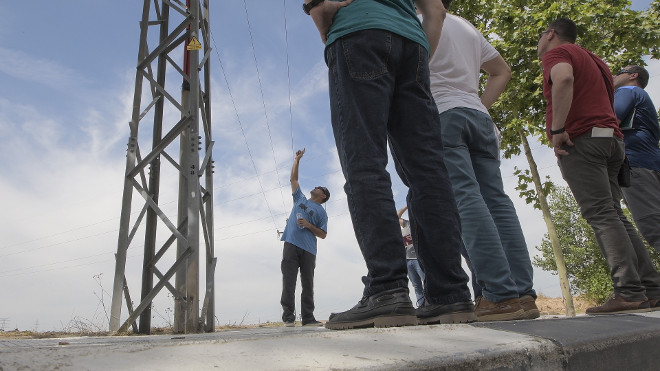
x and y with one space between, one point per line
528 304
618 305
506 310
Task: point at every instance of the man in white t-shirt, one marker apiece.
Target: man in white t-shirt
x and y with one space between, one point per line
491 229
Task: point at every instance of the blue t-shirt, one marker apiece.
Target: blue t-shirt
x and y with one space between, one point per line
397 16
313 213
642 140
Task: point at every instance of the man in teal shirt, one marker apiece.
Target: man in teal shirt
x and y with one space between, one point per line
377 53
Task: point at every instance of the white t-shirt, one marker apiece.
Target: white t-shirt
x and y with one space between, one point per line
456 65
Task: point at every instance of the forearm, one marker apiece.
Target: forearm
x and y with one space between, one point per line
499 74
294 171
495 86
401 211
318 232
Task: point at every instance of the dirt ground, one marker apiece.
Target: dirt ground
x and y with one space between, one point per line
547 306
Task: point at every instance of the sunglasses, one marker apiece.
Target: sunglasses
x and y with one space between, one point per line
543 33
621 72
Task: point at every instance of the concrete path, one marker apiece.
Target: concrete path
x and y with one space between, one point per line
614 342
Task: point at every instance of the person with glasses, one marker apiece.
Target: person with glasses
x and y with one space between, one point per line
588 143
307 221
492 233
378 77
632 104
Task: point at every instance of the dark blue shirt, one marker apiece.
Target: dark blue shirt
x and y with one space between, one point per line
642 140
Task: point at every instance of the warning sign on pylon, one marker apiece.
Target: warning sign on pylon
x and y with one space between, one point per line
194 44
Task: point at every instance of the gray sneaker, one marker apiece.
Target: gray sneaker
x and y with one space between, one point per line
390 308
461 312
289 324
313 323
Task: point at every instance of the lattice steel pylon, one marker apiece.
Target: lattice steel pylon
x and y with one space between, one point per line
181 31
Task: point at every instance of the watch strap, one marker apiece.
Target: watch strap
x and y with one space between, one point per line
310 5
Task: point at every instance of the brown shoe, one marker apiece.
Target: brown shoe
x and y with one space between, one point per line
506 310
654 304
528 304
618 305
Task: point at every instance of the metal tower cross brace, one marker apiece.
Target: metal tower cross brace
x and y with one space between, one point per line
179 31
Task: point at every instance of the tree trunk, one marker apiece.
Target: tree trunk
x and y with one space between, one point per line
552 233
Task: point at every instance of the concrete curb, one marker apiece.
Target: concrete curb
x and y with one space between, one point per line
617 342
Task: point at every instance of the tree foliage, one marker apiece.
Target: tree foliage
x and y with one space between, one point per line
588 272
609 28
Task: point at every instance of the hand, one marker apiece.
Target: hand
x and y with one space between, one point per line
558 140
303 223
323 14
299 154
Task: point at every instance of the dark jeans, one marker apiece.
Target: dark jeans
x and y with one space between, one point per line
379 90
591 170
643 200
293 258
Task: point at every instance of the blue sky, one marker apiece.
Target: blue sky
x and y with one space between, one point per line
66 91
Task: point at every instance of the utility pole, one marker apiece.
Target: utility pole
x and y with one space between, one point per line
172 30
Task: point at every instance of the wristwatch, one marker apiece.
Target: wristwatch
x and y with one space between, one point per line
307 7
558 131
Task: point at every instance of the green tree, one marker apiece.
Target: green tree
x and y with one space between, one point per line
608 27
588 271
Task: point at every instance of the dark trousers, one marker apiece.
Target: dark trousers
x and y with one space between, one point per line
380 92
591 172
293 258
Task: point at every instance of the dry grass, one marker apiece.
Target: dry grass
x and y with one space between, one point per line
552 306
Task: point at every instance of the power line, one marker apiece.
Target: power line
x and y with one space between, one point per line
288 75
263 100
240 124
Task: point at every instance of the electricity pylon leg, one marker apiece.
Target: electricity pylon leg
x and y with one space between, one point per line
179 29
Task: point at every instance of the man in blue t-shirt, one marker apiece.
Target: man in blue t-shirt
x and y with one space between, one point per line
307 221
641 139
377 54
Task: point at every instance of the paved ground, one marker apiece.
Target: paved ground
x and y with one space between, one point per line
617 342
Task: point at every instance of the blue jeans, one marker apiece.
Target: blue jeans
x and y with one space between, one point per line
476 289
416 276
379 91
491 230
591 170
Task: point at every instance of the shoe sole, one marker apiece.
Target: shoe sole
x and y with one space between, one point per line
519 314
313 325
643 310
532 314
449 318
384 321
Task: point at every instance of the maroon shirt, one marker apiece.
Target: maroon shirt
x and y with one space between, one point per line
593 91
